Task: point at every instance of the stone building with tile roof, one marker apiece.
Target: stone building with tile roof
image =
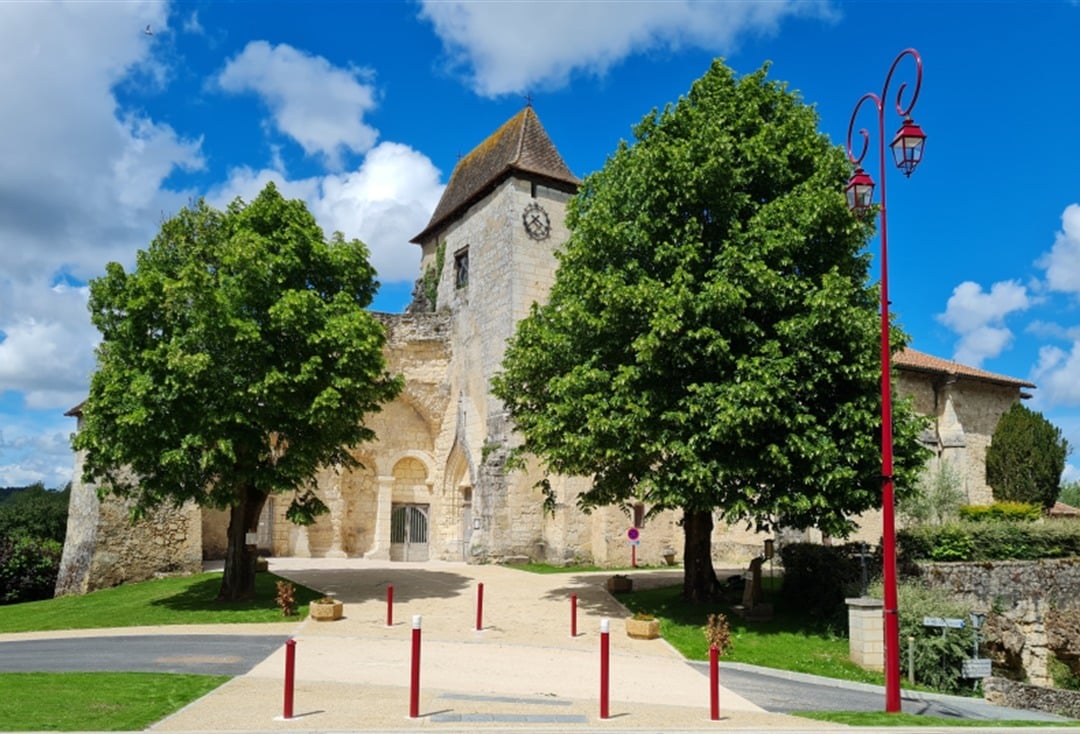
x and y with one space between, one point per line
965 404
433 485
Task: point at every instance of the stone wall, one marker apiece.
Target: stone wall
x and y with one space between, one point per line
1004 692
1005 584
104 548
965 413
1032 608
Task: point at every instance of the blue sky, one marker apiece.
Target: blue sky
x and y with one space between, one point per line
362 110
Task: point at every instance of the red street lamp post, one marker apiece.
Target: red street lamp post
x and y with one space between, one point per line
907 147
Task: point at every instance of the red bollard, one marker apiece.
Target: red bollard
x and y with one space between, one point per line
390 605
290 677
479 607
573 615
714 683
605 675
414 682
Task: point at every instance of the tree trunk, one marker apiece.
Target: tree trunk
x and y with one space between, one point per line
238 580
699 578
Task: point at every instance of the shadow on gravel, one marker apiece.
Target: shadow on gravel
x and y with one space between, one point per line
592 593
361 585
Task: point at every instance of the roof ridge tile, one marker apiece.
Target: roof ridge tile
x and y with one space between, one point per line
519 144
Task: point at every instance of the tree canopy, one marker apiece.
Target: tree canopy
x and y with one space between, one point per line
711 339
1026 458
236 360
35 512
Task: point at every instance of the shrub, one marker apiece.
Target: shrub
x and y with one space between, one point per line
286 598
988 541
1004 511
28 569
817 578
953 543
1062 674
938 652
718 633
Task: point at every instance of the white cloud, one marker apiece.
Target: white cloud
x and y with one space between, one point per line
40 457
514 47
980 344
82 182
1062 263
978 317
318 105
1052 330
49 355
191 24
1071 473
384 203
1057 374
64 153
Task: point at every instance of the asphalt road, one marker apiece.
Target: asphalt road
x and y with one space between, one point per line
201 654
783 693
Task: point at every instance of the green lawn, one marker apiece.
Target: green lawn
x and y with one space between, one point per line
875 718
96 701
179 600
124 701
786 642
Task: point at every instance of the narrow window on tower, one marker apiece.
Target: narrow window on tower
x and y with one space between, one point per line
461 268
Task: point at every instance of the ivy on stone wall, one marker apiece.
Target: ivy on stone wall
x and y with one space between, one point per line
433 275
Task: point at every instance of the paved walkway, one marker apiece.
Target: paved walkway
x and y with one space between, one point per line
521 669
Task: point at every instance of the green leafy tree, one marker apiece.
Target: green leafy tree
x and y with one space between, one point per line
1025 458
236 360
28 568
937 497
36 512
1070 493
711 341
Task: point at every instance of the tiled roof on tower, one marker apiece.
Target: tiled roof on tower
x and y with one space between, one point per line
521 145
916 361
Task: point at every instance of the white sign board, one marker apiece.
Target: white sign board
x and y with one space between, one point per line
976 668
943 622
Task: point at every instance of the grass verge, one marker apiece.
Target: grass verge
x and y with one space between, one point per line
878 718
786 642
96 701
168 601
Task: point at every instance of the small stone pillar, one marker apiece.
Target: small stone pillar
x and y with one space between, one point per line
866 633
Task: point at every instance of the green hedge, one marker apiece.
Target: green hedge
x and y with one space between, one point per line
989 541
817 579
1001 511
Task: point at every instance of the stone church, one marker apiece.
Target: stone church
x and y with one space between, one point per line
433 485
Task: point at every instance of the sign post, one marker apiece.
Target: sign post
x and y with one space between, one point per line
634 535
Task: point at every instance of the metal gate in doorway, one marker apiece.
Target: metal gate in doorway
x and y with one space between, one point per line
409 532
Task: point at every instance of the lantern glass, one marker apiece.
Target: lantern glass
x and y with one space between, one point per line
859 192
907 146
